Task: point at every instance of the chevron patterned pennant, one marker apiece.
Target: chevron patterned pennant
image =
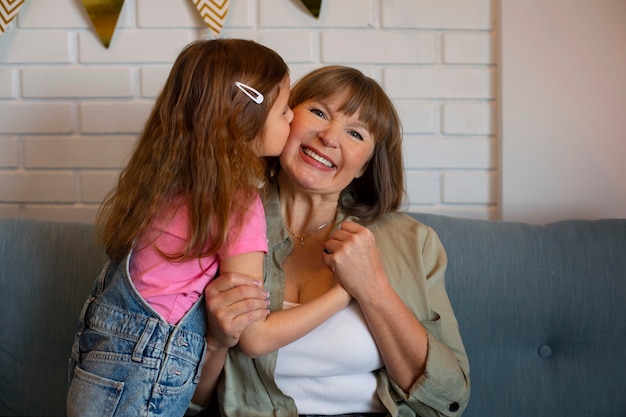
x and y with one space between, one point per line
213 12
8 11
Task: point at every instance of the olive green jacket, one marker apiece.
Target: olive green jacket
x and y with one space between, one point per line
415 262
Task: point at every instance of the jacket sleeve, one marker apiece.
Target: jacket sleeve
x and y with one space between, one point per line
415 262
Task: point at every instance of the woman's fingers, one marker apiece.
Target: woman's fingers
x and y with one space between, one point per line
233 302
351 253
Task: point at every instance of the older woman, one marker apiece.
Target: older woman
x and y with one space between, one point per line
332 218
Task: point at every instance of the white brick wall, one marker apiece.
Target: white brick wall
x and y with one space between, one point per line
70 109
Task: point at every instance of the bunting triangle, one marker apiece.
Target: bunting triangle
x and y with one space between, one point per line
213 12
313 6
8 11
103 15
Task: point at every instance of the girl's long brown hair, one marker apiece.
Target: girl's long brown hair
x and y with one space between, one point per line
196 144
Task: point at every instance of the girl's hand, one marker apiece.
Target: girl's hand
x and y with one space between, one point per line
351 253
232 301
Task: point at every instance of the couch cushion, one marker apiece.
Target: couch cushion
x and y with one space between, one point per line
542 313
40 311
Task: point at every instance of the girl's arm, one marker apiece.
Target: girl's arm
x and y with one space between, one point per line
285 326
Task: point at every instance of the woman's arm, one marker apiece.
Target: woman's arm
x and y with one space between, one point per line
396 271
232 301
401 338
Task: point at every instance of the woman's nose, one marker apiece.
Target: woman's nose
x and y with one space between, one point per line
330 133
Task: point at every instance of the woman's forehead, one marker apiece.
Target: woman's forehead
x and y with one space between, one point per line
344 102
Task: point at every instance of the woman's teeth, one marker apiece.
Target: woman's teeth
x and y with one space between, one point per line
318 158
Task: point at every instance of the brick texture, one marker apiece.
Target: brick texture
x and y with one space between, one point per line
71 110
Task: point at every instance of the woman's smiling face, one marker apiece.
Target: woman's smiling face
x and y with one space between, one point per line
326 148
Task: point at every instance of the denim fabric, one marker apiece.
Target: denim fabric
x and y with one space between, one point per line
128 361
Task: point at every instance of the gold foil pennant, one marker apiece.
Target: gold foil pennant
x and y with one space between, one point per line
313 6
8 11
104 15
213 12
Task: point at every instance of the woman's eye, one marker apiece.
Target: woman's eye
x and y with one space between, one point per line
318 113
355 135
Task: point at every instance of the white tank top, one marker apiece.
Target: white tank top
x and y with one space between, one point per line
329 370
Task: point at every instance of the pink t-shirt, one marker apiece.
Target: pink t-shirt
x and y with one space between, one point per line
172 288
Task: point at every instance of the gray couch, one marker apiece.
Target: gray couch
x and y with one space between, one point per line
542 311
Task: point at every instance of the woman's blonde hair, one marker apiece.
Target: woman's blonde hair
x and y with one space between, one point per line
381 188
196 143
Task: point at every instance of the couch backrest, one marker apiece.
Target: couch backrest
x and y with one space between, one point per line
542 312
46 272
541 309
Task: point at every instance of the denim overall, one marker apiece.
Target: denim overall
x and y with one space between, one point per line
127 360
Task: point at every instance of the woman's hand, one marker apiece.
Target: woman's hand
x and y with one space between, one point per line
351 253
233 301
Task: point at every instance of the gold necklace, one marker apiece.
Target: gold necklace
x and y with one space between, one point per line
301 238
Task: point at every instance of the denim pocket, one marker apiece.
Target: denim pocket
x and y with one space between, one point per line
176 376
92 395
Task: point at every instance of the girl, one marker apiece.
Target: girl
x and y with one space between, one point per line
185 205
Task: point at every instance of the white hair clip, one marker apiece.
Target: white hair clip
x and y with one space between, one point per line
250 92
